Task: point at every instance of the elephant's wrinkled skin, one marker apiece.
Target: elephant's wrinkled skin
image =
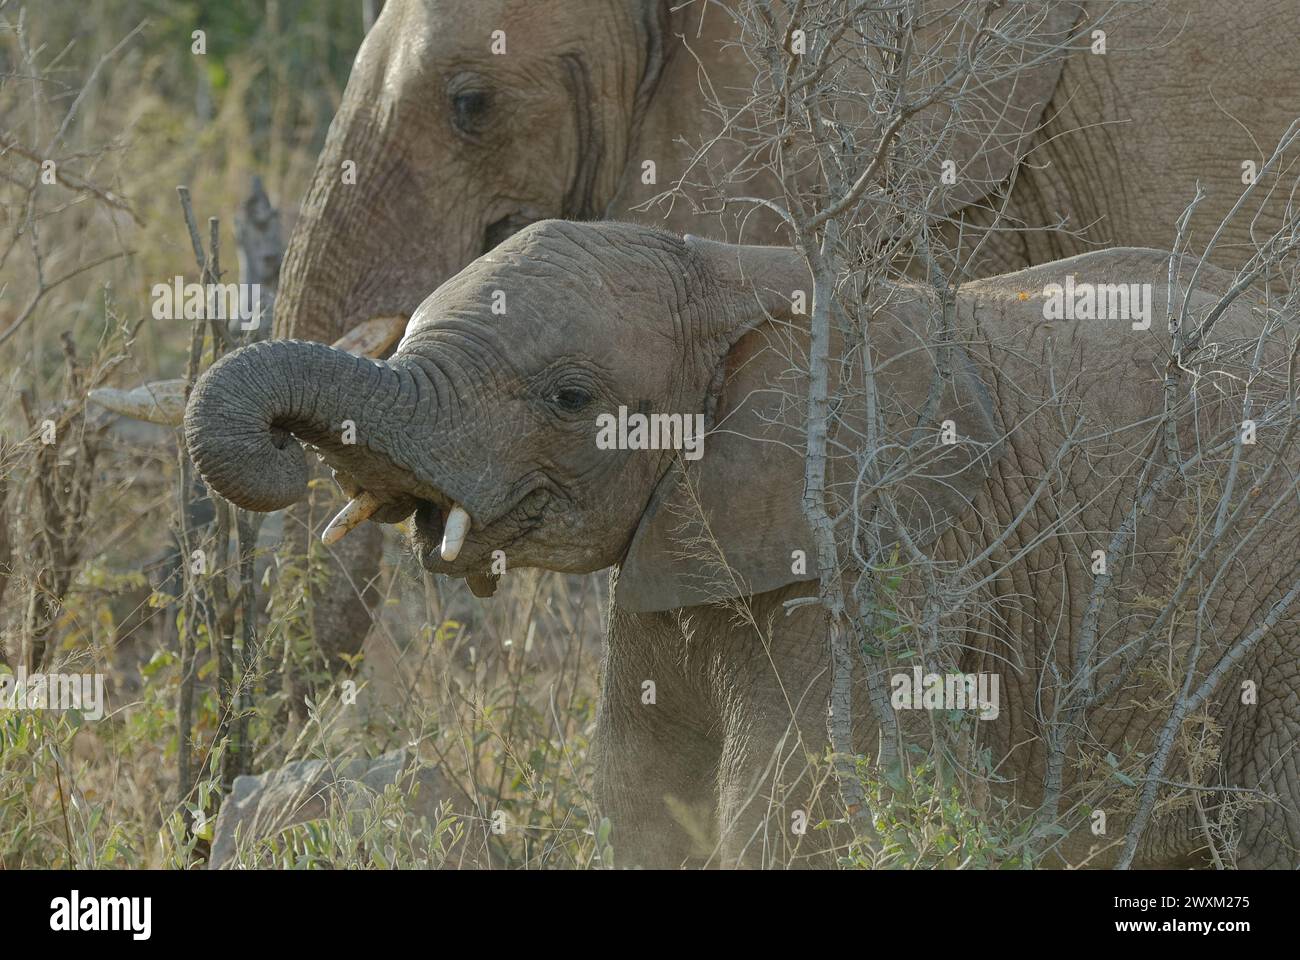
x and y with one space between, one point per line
441 147
497 413
455 147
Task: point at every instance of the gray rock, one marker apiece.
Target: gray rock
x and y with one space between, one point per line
263 805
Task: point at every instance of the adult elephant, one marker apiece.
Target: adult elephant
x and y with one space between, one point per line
485 426
464 120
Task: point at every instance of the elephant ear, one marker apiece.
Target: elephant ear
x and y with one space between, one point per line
732 523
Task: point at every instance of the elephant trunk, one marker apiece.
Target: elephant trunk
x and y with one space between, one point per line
245 412
377 231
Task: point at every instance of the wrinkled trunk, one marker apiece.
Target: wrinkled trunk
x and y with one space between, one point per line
379 227
352 252
245 412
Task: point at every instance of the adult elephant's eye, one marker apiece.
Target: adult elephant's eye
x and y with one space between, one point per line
571 399
469 110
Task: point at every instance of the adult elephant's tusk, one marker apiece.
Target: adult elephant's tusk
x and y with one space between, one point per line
454 533
162 401
371 338
353 514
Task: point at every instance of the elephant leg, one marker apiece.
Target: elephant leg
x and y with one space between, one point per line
773 784
655 748
768 797
656 782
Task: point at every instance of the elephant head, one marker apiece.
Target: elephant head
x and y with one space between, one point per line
485 423
462 122
465 120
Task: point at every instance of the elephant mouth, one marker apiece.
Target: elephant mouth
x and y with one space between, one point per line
440 520
429 541
439 534
429 532
430 521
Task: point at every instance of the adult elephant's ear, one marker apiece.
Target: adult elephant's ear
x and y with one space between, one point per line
731 523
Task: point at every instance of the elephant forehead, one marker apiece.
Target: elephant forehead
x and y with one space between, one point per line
637 347
557 281
539 295
467 28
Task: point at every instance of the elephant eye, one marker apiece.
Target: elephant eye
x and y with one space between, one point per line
571 399
469 110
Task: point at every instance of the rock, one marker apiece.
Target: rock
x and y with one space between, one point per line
263 805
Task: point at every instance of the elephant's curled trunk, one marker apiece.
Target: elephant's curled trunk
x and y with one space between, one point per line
245 412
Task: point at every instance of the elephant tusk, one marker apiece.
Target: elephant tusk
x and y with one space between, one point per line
454 532
372 337
358 509
162 401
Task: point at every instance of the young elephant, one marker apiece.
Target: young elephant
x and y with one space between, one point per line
491 424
